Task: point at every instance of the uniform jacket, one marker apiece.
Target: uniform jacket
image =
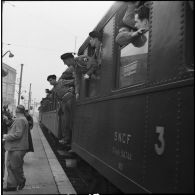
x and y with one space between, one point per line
62 87
85 64
17 137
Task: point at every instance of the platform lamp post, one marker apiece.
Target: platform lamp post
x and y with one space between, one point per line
20 84
10 54
29 98
4 72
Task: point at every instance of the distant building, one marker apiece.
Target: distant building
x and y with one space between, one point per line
8 82
4 73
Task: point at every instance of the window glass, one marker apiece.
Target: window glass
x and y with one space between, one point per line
133 64
133 52
12 76
85 51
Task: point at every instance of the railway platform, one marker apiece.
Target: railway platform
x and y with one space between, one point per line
44 174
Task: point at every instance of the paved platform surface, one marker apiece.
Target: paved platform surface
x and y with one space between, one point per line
44 174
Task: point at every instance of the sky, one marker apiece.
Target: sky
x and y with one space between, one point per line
39 32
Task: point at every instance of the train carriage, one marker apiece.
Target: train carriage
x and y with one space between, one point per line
135 124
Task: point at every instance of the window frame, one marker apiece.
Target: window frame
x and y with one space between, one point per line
86 87
117 56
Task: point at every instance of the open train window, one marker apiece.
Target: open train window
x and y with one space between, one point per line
91 86
85 51
133 42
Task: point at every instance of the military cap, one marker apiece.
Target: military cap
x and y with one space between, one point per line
66 56
53 76
21 108
95 34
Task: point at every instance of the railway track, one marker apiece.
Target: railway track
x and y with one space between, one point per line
84 178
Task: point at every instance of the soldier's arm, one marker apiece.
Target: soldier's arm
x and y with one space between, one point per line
67 82
81 57
62 76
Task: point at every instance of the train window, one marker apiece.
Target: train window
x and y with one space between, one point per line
189 35
90 86
85 51
133 63
134 51
85 83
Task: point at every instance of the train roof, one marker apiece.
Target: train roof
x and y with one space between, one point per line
113 9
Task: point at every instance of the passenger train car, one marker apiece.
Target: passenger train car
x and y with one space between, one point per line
135 125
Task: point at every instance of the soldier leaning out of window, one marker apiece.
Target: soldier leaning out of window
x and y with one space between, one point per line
62 87
64 91
94 54
88 64
135 33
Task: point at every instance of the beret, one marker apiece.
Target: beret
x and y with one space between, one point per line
95 34
53 76
21 108
66 56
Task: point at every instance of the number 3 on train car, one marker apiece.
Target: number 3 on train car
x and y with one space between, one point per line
160 149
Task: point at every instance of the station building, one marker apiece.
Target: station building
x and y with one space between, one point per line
8 85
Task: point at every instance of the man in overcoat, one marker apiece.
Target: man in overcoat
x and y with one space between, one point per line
16 143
